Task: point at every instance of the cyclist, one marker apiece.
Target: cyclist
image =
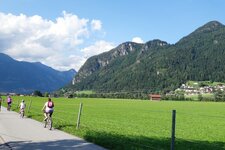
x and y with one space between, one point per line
48 108
9 101
22 106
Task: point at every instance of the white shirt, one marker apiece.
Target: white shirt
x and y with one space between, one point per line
22 105
47 108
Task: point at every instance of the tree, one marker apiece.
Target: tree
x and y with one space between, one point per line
200 97
46 94
219 95
37 93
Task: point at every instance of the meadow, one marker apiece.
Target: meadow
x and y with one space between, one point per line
137 124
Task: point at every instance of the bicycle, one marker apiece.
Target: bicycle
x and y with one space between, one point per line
21 113
9 107
48 122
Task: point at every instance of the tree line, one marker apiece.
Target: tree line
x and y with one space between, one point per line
218 96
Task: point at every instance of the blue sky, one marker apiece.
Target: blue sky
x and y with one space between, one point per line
118 21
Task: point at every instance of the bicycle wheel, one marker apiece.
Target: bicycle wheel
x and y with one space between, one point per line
22 114
49 123
8 107
45 123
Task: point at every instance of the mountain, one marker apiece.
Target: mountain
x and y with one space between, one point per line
157 66
25 77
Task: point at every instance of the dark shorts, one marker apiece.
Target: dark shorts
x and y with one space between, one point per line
50 112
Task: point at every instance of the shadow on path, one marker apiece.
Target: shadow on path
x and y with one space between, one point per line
50 145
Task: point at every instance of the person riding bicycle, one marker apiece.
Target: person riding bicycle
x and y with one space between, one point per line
9 102
48 108
22 106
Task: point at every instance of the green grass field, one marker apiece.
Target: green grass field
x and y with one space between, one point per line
135 124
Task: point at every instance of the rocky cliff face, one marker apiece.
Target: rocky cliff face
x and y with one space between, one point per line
95 63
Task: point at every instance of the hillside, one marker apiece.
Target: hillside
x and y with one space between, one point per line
157 66
25 77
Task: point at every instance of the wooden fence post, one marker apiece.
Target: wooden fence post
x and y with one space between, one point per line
173 129
17 106
29 106
79 115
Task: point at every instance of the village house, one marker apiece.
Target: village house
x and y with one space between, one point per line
156 97
189 90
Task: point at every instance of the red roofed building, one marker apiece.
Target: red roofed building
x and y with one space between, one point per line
155 97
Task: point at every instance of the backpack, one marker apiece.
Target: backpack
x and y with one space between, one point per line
9 100
50 104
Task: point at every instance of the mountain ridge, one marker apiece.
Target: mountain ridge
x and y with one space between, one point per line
25 77
121 50
156 66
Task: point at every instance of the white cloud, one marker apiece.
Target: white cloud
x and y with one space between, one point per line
56 43
97 48
96 25
137 40
64 62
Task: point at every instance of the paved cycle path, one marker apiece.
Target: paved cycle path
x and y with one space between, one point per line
27 134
